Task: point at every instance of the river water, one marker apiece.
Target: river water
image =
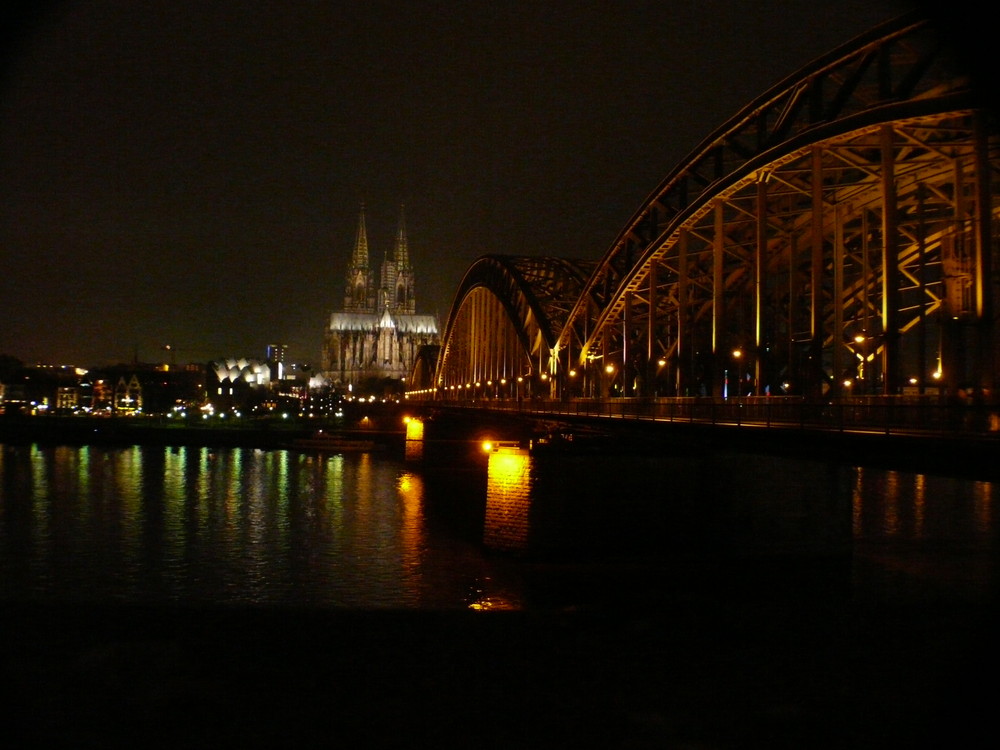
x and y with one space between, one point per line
274 598
375 531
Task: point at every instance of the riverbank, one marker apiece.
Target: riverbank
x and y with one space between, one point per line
943 454
265 434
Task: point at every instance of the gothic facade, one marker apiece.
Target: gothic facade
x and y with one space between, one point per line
377 333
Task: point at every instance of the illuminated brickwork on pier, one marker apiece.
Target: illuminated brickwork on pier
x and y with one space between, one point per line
508 499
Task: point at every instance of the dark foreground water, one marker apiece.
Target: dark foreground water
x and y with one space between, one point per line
290 599
245 526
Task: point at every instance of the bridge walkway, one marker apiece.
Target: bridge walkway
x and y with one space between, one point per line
908 432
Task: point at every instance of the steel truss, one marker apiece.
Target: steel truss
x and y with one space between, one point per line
503 324
835 237
855 264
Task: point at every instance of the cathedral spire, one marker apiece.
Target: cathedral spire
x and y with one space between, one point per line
398 273
401 252
360 257
360 294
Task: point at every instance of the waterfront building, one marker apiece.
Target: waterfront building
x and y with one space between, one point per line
276 354
128 395
142 388
377 333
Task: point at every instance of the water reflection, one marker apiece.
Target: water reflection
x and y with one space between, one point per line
760 521
196 524
245 526
410 488
663 507
923 537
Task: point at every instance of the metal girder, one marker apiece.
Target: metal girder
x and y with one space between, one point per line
840 229
837 92
503 321
768 241
787 274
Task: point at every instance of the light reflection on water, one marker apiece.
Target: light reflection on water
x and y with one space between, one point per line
244 526
234 526
924 537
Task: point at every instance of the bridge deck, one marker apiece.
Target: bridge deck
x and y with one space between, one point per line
915 434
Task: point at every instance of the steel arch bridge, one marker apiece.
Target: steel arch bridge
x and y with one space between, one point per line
503 327
835 237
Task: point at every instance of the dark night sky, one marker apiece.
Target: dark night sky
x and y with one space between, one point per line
190 173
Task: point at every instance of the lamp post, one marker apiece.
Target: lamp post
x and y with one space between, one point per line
737 372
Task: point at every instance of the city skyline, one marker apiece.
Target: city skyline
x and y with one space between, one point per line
175 176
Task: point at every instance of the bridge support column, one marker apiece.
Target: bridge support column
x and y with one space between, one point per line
838 346
683 318
718 303
605 376
814 387
760 271
890 268
986 285
650 381
628 371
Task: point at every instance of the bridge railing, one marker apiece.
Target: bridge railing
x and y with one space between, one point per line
881 414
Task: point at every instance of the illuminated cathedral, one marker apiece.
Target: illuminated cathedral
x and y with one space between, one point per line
377 334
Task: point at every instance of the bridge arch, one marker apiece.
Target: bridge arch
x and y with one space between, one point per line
835 235
502 325
421 378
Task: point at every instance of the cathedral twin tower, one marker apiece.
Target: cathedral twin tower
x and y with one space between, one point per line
378 333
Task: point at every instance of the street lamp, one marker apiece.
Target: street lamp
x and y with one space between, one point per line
609 370
732 385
